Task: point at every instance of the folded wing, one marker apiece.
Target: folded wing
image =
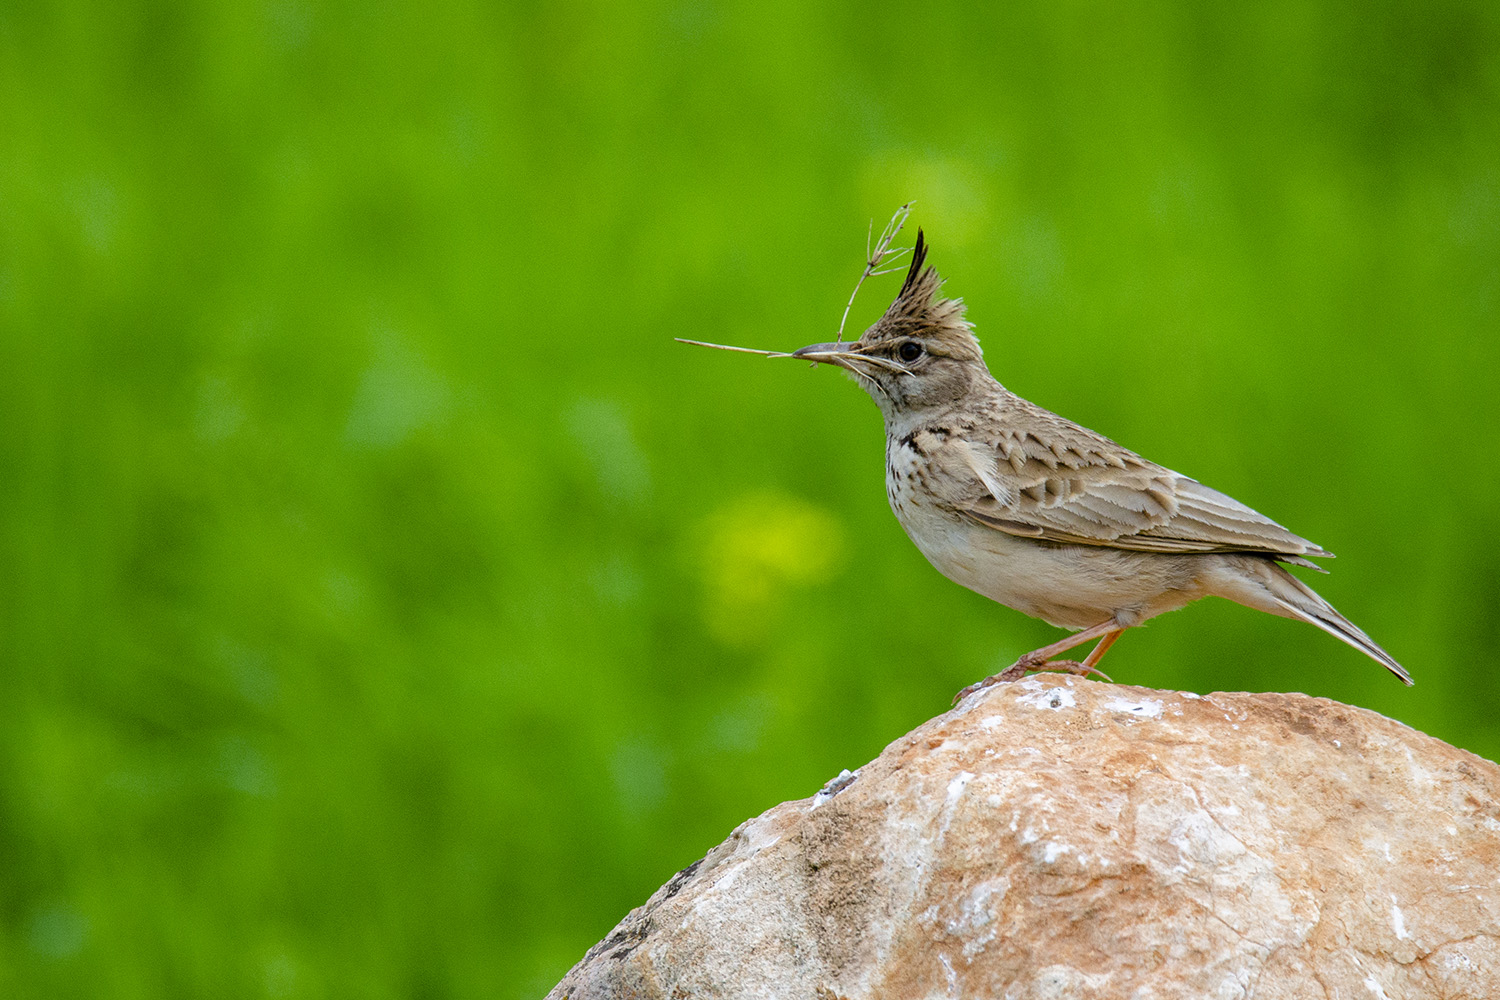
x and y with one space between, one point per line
1060 482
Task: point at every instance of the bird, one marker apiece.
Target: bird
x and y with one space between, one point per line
1042 514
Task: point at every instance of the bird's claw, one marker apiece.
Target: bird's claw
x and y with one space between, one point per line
1023 666
1075 668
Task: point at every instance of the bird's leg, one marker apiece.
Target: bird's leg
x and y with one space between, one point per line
1098 652
1041 659
1086 668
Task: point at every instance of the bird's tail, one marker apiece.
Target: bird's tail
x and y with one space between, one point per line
1266 586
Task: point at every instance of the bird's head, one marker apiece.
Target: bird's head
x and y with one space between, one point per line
920 355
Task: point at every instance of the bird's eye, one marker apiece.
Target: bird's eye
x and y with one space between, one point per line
909 351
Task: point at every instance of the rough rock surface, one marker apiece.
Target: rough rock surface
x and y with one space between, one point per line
1062 838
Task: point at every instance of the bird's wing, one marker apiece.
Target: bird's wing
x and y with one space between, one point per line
1044 477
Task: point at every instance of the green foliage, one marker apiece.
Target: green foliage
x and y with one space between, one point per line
387 604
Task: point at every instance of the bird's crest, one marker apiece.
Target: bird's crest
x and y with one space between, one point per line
919 311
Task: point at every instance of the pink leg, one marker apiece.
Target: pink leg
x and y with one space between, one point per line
1041 659
1103 647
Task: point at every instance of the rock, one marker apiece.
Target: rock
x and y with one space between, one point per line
1060 838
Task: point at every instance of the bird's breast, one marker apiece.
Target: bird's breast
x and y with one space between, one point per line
936 529
906 480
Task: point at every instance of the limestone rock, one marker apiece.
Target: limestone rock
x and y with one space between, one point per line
1060 838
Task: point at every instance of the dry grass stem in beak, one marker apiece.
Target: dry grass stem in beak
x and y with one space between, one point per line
728 347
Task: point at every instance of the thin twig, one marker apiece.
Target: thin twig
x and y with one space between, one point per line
726 347
872 359
865 377
874 258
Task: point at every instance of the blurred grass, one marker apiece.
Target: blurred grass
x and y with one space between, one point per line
387 604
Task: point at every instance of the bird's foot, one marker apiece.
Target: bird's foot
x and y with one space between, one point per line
1025 665
1075 668
978 686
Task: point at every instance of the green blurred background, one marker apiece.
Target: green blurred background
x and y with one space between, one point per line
387 604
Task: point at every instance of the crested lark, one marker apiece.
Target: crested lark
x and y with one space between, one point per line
1046 516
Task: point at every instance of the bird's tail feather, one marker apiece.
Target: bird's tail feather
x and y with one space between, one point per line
1291 598
1305 603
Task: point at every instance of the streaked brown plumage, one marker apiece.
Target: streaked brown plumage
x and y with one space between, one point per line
1046 516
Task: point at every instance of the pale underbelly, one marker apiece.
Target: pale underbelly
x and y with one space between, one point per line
1073 586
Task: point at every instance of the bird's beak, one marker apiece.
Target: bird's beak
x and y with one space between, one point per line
828 354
